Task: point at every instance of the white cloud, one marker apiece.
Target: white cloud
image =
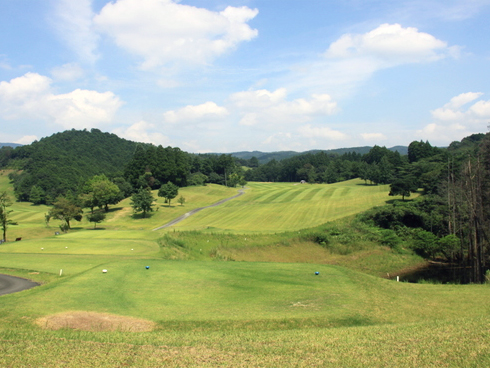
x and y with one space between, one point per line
73 21
373 136
309 131
67 72
273 108
27 139
456 119
164 31
389 44
142 131
190 113
453 111
354 58
30 97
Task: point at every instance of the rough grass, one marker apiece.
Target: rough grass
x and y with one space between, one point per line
458 343
92 321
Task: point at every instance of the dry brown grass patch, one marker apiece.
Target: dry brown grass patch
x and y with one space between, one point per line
93 321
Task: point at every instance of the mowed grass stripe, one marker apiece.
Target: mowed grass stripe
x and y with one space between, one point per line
248 214
293 194
328 193
309 193
270 197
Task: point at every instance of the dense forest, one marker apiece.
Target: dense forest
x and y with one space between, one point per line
448 222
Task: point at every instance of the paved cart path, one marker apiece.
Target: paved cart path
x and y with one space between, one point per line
12 284
190 213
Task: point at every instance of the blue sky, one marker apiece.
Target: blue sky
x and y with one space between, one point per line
243 75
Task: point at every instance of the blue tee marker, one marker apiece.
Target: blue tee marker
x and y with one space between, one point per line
147 267
317 273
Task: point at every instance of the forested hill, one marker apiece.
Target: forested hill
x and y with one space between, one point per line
265 157
63 161
13 145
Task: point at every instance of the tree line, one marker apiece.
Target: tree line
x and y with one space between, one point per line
61 165
90 169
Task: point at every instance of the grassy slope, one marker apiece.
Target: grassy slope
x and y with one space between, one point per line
229 313
250 314
271 207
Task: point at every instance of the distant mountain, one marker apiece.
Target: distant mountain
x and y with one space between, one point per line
265 157
13 145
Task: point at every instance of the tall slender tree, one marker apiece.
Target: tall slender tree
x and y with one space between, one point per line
5 219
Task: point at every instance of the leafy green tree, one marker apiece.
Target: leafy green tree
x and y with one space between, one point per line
424 243
181 200
124 186
169 191
403 187
96 217
253 162
101 192
65 210
5 220
142 201
197 179
37 195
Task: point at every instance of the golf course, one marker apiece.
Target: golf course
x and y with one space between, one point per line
240 284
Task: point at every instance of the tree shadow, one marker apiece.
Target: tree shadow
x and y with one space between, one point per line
114 209
139 216
397 200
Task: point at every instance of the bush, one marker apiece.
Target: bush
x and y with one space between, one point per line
389 238
424 243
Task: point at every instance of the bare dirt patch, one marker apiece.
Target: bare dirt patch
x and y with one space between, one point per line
93 321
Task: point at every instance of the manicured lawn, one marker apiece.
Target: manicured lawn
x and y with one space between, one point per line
266 309
272 207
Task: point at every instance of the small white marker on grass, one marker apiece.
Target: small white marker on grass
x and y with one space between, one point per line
104 271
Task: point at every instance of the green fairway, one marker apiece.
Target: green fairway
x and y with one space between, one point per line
271 207
269 310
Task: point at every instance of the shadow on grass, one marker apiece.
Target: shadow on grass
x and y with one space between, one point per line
268 324
114 209
139 216
395 201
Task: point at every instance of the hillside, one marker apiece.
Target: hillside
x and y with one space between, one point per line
13 145
265 157
60 163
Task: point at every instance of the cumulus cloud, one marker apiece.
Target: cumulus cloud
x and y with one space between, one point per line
458 118
353 58
142 131
272 108
30 97
164 31
454 111
73 21
27 139
193 113
390 44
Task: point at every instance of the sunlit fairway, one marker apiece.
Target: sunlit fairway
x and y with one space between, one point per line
270 310
271 207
